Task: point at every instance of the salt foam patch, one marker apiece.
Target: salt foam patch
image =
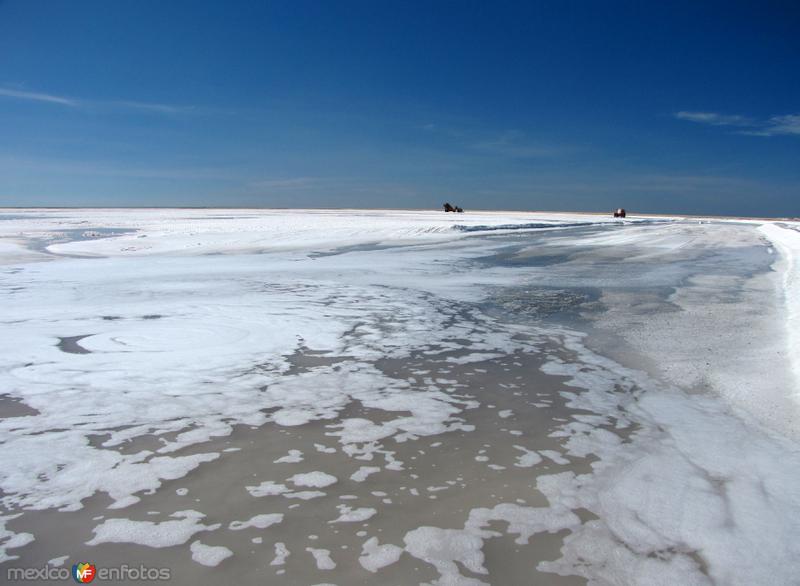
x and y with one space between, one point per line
293 457
58 562
11 540
362 473
525 521
349 515
267 488
164 534
209 555
442 548
314 479
527 459
68 476
281 553
375 556
304 495
322 557
257 522
187 372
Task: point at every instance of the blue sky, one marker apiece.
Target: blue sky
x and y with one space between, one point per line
659 107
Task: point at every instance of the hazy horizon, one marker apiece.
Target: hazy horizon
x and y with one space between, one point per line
344 208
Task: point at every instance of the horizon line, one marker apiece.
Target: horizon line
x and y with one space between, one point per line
604 212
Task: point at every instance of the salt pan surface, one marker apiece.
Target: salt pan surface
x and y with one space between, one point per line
680 487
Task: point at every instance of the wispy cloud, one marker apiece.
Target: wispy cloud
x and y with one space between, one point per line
37 97
514 143
788 124
151 107
714 118
78 103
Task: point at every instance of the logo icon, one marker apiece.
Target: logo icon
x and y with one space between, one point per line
84 572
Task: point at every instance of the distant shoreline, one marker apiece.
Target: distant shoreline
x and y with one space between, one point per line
432 210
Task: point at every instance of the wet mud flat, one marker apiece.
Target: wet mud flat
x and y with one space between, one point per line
510 410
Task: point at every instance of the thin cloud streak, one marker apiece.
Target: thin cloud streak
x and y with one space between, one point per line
787 124
37 97
714 119
161 108
75 103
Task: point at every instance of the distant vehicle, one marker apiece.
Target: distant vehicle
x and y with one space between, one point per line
620 213
450 208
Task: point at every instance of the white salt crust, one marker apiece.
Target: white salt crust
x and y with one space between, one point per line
676 489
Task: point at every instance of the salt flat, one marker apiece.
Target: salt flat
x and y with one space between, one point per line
356 396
